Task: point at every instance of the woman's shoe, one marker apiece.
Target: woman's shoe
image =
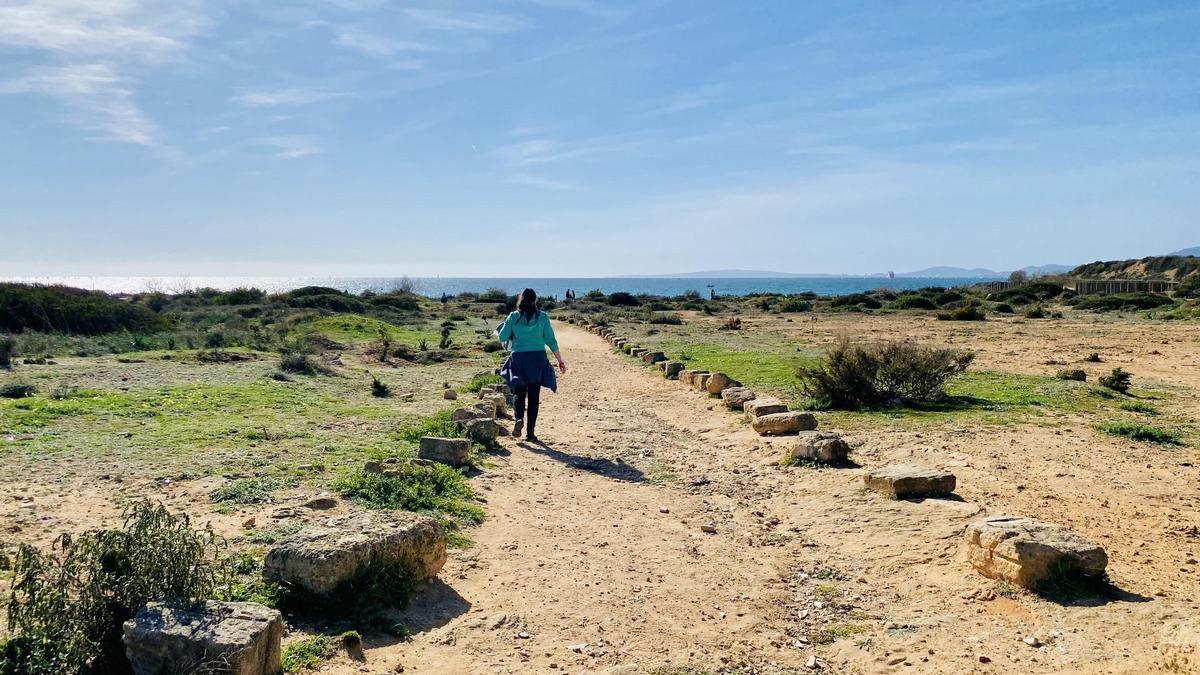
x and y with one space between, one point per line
517 428
533 439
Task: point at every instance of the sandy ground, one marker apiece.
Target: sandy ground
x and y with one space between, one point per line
593 559
582 549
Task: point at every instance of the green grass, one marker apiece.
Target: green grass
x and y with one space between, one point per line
251 490
355 329
308 654
1139 407
480 381
839 631
1141 432
771 370
437 490
271 535
438 424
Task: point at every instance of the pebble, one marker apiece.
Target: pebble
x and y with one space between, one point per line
709 528
1032 641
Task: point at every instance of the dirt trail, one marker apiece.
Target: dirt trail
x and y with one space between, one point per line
596 540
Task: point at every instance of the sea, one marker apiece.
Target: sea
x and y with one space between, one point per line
434 287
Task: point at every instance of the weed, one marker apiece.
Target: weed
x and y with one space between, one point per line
250 490
830 573
839 631
308 654
379 389
827 590
1141 432
437 490
438 424
1094 357
272 535
1005 589
297 363
480 381
1073 374
67 606
8 350
1118 380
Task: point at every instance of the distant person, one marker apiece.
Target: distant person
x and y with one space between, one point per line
712 294
527 369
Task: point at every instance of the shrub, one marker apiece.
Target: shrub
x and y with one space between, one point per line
1141 432
1118 380
67 606
968 312
17 390
793 304
858 376
732 323
379 389
947 298
623 299
446 341
307 654
300 364
912 302
250 490
1122 302
855 300
1094 357
1035 312
404 302
72 310
666 319
1075 375
8 350
241 296
1003 308
335 303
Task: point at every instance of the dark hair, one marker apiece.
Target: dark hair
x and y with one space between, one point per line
527 305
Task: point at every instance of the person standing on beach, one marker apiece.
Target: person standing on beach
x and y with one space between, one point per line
527 369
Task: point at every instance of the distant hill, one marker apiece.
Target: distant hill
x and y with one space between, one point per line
1193 251
982 273
733 274
1168 267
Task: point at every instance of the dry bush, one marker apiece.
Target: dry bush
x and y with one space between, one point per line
855 376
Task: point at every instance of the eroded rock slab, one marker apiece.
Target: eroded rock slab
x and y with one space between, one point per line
673 368
778 424
323 559
718 382
452 451
736 398
1026 551
215 638
909 480
768 405
817 447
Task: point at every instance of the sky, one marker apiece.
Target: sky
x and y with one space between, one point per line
592 137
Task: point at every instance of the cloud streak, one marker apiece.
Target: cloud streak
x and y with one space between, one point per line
101 100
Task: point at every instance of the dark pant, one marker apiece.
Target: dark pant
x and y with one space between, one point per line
534 392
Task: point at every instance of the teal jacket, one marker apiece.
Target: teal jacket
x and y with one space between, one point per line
533 336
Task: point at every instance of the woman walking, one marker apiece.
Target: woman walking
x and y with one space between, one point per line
527 369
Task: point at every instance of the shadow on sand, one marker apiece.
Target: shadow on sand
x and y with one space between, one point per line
616 470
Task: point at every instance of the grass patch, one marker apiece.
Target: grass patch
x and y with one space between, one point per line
480 381
1139 407
272 535
438 424
1141 432
354 329
437 490
308 654
838 631
251 490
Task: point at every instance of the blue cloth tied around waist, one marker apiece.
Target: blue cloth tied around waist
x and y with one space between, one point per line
529 368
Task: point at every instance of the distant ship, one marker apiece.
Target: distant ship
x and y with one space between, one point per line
891 274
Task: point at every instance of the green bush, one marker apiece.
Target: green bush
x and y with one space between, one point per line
241 296
67 606
666 319
1141 432
17 390
1122 302
379 389
861 376
1035 312
72 311
1003 308
912 302
300 364
404 302
623 299
8 350
333 303
968 312
793 304
855 300
308 654
1118 380
1074 374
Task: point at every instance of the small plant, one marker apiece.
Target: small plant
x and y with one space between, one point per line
1139 407
298 363
732 323
480 381
665 319
1035 312
1005 589
424 346
1072 374
793 304
436 489
1093 358
1118 380
1141 432
964 313
17 390
8 351
385 345
379 389
250 490
831 634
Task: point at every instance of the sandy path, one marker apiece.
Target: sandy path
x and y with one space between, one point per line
577 550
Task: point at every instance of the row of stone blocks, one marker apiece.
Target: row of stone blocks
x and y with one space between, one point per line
1019 550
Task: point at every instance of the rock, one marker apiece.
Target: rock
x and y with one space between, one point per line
452 451
700 381
217 638
816 446
1032 641
321 503
325 559
708 528
1024 551
908 480
654 357
406 397
480 410
1179 647
736 398
483 429
777 424
450 394
500 401
685 375
717 383
637 351
661 365
764 406
673 368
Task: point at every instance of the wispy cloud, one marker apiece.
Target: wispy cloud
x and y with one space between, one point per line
266 98
375 45
546 151
448 20
289 147
101 100
102 42
540 182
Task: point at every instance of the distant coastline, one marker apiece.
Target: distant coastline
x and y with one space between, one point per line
547 286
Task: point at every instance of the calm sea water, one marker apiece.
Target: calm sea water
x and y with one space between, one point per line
556 287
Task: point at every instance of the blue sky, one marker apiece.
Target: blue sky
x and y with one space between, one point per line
592 137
